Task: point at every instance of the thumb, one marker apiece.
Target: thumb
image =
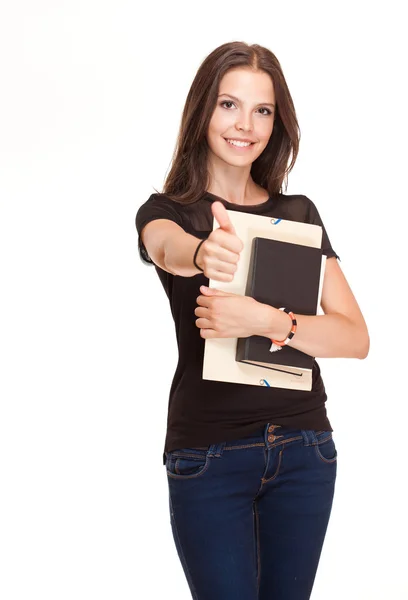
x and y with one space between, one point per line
220 213
214 292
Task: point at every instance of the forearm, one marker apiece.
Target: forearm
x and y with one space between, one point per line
324 336
179 253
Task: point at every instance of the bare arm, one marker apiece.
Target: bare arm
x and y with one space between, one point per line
340 332
170 247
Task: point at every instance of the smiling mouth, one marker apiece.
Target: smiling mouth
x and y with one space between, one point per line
246 146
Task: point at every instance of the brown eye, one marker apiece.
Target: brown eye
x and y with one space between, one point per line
268 112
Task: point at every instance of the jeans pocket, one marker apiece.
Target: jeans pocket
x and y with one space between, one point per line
326 448
187 463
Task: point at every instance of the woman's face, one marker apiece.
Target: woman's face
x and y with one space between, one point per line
245 109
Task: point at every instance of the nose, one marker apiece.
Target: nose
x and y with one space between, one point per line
245 123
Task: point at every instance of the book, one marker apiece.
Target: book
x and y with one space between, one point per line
219 363
281 274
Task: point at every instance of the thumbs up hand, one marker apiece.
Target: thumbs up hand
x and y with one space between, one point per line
218 256
220 213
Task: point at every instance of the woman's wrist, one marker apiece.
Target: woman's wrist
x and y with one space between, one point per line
276 323
198 255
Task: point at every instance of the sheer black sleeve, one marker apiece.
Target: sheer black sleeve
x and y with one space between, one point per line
315 219
156 207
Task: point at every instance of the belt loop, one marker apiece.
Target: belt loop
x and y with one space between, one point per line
216 449
307 437
313 437
266 434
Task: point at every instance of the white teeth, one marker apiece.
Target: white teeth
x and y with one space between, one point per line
240 144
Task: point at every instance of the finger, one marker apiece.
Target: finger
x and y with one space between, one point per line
203 301
213 265
220 276
227 240
220 213
224 247
208 291
214 291
203 323
209 334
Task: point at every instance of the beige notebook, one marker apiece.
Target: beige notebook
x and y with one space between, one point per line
220 353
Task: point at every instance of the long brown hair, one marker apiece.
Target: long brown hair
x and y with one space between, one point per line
188 178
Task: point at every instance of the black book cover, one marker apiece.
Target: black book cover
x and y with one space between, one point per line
281 274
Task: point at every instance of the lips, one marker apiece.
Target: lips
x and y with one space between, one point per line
239 140
238 148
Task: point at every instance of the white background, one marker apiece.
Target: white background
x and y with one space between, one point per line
90 103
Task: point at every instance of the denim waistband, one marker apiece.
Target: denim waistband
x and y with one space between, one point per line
269 435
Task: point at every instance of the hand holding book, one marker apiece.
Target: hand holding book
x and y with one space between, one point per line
226 315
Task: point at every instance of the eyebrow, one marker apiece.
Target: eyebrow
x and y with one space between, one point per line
238 100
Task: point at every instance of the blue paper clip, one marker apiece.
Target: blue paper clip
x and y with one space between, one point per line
275 221
264 382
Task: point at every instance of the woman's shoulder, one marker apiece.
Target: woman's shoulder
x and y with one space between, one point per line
161 198
157 206
192 216
161 202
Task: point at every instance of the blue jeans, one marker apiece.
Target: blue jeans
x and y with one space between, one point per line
249 517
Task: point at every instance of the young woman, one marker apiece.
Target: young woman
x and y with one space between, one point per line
251 470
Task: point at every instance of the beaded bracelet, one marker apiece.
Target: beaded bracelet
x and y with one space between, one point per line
195 255
277 345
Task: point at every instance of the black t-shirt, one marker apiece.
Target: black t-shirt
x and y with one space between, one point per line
200 411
